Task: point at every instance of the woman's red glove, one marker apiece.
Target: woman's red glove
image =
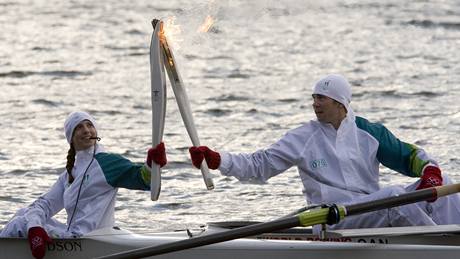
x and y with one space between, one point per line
203 152
38 238
157 154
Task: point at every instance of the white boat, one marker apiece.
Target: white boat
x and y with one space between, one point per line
281 238
404 242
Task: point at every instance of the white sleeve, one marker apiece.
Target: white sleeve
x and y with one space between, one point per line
266 163
47 205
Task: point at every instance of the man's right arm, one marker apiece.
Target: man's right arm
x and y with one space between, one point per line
262 164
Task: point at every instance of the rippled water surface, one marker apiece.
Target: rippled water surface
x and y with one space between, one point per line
249 80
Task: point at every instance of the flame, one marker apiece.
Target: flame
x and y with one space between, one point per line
207 24
171 31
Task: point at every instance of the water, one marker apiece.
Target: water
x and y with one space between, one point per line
249 80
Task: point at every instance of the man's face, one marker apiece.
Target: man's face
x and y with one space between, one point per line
82 134
327 110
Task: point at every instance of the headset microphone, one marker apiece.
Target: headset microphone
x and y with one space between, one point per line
96 138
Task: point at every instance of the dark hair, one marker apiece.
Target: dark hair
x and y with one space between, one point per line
70 162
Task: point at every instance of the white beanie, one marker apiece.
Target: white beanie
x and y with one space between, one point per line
73 120
336 87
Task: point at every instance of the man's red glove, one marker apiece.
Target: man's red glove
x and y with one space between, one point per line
203 152
431 177
157 154
38 238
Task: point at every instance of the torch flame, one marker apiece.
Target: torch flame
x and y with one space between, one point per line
171 31
207 24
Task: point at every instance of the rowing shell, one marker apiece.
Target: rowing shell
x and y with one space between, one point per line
158 95
270 246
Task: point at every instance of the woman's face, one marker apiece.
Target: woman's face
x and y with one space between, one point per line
82 135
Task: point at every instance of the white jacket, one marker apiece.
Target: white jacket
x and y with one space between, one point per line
335 166
96 203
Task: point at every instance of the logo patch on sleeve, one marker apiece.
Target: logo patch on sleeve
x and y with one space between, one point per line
318 163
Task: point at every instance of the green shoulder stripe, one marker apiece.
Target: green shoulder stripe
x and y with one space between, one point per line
392 152
120 172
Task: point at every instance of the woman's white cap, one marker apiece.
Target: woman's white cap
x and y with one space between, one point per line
73 120
336 87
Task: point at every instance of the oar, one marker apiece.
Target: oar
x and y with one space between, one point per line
306 218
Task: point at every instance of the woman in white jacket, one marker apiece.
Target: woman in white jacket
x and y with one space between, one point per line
86 190
338 157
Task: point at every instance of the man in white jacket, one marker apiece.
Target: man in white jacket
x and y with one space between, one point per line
338 157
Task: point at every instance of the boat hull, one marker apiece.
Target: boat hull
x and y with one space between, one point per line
109 241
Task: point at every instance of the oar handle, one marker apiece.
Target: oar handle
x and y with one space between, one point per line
447 189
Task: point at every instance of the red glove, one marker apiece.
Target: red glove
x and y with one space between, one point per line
157 154
203 152
431 178
38 238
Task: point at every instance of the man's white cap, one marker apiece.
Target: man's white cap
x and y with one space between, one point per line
73 120
336 87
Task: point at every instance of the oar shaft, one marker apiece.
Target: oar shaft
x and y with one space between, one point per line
389 202
403 199
246 231
306 218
